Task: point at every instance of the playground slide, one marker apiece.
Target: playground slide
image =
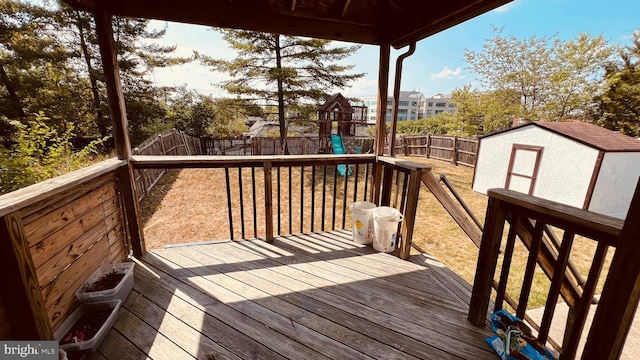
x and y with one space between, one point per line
338 148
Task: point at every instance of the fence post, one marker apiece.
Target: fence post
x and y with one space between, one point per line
428 145
405 148
454 155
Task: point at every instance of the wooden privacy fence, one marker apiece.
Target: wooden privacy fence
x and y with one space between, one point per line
456 150
300 145
168 142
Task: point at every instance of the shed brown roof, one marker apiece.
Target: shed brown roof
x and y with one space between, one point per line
592 135
394 22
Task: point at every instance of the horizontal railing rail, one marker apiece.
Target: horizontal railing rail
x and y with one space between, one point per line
528 217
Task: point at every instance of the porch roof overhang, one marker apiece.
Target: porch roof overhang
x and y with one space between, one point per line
393 22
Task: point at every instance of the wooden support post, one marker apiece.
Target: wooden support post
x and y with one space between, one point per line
120 129
387 183
428 145
19 287
268 201
487 260
411 208
621 292
381 121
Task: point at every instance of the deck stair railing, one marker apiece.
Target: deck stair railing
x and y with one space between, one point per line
528 218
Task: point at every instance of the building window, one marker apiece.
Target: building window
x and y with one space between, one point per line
451 106
441 104
414 103
403 103
372 118
430 104
429 113
439 111
373 110
374 102
403 111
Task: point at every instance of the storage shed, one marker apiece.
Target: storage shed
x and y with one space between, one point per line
574 163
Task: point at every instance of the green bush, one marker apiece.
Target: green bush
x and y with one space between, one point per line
40 152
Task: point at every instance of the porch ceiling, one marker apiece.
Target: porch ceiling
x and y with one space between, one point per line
394 22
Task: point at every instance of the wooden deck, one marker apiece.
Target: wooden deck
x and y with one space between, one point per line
314 296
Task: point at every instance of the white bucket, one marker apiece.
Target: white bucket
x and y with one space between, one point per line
385 224
362 221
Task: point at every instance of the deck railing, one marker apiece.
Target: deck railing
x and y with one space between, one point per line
280 195
528 217
54 235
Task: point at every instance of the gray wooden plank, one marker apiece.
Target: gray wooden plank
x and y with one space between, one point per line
247 295
169 295
351 301
270 293
262 329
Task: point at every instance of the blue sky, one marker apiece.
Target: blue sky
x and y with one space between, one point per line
438 64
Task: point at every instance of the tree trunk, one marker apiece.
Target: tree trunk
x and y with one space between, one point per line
281 119
101 122
12 92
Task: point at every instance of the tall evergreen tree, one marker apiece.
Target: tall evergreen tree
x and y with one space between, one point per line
283 70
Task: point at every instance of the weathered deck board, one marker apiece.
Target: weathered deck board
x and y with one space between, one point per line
315 296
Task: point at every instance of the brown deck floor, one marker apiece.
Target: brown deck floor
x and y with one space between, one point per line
316 296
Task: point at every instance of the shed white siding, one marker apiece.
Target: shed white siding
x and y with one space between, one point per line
566 166
617 179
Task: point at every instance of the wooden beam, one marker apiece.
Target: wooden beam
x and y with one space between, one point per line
409 219
19 286
621 292
487 261
381 123
383 89
120 130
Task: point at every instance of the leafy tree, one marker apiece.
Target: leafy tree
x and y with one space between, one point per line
550 79
484 112
618 107
201 115
282 70
41 152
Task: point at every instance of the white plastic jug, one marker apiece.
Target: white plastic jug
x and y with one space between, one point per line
362 221
385 224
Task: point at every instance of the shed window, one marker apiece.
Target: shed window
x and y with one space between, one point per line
523 168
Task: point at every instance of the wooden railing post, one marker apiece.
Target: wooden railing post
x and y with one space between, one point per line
410 211
387 180
268 201
120 129
27 312
487 260
621 292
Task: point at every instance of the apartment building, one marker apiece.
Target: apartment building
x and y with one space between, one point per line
412 105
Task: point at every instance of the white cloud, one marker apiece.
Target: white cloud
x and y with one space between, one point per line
447 73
